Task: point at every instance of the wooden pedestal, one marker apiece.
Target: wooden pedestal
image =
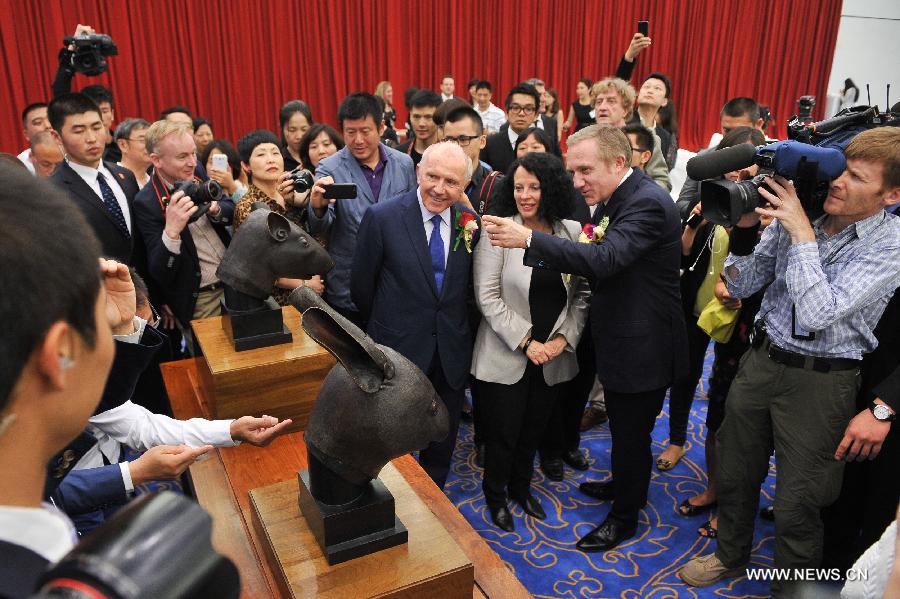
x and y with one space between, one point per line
282 380
431 564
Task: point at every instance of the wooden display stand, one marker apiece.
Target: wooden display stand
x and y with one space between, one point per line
282 380
431 564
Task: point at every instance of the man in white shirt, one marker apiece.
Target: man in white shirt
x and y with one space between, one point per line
34 120
492 117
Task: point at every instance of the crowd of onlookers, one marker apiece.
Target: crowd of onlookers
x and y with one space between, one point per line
561 289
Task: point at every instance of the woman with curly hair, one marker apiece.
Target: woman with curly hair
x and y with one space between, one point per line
532 321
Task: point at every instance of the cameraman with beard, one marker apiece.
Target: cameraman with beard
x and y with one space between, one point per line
795 391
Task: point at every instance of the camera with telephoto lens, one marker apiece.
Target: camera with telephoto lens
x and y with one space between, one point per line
159 545
302 180
90 53
202 193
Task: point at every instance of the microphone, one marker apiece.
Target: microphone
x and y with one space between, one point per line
718 162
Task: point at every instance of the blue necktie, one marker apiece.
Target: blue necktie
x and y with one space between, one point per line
112 205
436 248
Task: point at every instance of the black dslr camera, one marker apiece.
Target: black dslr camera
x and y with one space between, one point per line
90 53
302 179
202 193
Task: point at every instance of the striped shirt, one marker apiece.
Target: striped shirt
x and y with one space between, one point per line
836 287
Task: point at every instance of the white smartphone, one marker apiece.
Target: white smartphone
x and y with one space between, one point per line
220 162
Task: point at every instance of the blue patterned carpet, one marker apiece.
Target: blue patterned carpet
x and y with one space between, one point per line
543 555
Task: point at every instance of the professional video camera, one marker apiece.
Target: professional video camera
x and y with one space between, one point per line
810 167
157 546
201 193
90 52
812 158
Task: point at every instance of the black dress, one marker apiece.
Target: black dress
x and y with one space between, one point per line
583 116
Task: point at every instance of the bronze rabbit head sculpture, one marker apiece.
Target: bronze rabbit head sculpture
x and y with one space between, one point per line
374 406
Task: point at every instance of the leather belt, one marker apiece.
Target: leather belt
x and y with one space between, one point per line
789 358
210 287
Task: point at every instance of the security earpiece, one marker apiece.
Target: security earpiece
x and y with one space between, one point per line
65 362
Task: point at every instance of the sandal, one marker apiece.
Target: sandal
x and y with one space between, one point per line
663 464
708 530
688 509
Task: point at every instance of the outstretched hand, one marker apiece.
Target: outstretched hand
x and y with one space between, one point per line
504 232
258 431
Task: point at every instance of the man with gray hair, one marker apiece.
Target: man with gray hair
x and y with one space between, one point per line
45 153
636 318
410 281
131 137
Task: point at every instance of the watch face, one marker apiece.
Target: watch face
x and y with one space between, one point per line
881 412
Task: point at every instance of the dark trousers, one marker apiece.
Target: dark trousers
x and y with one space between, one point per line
681 395
563 432
435 459
516 416
631 420
866 505
801 415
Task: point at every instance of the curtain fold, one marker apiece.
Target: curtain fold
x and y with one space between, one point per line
235 63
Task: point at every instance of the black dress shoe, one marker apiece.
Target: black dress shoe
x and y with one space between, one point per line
530 506
604 491
576 460
479 455
502 518
554 469
606 536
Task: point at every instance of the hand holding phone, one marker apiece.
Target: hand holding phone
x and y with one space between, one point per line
219 162
643 28
340 191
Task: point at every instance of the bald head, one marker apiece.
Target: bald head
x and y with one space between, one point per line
443 173
45 153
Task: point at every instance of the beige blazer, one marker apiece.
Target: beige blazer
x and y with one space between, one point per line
502 283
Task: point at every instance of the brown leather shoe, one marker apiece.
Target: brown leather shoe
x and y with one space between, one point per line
592 417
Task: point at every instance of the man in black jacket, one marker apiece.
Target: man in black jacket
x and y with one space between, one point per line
636 318
102 191
522 103
182 256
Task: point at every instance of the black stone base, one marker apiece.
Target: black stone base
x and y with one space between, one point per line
255 328
363 526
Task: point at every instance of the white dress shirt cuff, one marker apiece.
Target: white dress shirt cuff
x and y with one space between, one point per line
135 337
173 245
126 478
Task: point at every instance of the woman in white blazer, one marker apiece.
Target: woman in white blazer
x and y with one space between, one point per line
531 322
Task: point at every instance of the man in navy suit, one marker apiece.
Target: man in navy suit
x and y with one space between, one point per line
636 320
410 279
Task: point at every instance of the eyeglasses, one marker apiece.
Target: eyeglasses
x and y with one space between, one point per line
528 109
462 140
140 139
633 149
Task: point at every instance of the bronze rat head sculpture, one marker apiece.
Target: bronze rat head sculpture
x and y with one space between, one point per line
268 246
374 406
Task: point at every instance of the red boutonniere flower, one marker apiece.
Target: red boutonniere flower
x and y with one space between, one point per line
466 225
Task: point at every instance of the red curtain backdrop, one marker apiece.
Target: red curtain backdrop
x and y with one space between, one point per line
235 63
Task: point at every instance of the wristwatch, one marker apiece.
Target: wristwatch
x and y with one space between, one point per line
881 412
